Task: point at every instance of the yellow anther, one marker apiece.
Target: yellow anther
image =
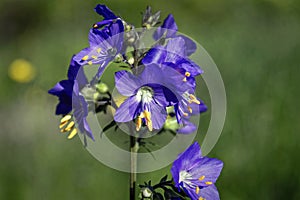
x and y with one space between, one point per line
63 124
65 118
184 79
187 74
90 62
193 99
138 123
208 183
185 114
94 57
95 26
85 57
197 190
69 126
190 109
99 50
72 134
147 116
201 198
201 178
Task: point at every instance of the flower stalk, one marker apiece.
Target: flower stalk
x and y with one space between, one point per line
134 147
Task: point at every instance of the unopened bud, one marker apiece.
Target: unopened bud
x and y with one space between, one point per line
149 19
102 88
146 193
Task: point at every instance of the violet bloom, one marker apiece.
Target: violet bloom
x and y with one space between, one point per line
80 109
148 95
169 30
105 44
104 11
196 175
63 90
174 55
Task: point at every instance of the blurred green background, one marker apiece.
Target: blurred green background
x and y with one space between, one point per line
255 45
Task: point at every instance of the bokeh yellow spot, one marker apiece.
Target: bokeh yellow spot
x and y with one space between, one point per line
21 71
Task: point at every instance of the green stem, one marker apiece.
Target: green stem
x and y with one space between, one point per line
134 147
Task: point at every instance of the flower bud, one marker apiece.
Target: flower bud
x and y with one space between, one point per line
146 193
102 88
149 19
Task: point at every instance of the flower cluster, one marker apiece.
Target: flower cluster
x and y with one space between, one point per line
157 79
158 85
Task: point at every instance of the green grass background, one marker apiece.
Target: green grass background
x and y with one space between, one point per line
255 44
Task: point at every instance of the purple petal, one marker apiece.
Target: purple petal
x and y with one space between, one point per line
175 47
169 27
208 167
185 160
158 115
190 67
105 12
103 23
188 127
73 69
209 192
81 78
154 55
198 108
63 108
80 107
64 86
190 45
128 110
126 83
56 90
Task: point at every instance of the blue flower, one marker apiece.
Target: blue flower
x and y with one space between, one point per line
68 92
63 90
104 11
169 30
196 175
174 55
105 44
80 109
148 95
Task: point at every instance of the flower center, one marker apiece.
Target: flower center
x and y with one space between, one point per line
144 94
185 177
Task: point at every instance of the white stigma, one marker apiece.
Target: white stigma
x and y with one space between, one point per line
144 94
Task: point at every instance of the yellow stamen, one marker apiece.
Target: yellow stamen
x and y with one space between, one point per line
90 63
184 79
193 99
65 118
197 190
187 74
94 57
208 183
185 114
69 126
85 57
99 50
190 109
147 115
72 134
201 178
95 26
138 123
201 198
63 124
